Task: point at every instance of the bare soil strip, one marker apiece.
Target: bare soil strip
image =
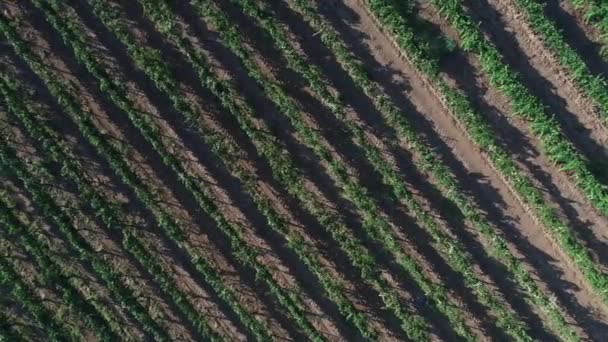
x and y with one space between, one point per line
329 127
466 74
504 25
583 37
145 170
407 88
577 110
482 179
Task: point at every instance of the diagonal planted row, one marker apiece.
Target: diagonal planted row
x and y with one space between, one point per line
542 124
112 215
283 167
454 251
595 86
55 277
200 67
334 289
13 284
376 226
596 13
245 253
7 333
431 162
49 207
477 128
117 162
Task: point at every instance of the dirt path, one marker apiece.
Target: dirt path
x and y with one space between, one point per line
478 176
577 110
543 173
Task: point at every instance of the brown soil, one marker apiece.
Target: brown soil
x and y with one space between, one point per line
532 163
572 107
583 37
139 162
321 120
86 281
482 179
486 188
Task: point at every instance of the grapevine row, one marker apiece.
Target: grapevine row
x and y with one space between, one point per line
118 163
559 149
245 253
431 162
455 252
479 131
110 214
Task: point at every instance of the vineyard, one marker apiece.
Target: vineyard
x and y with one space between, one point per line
303 170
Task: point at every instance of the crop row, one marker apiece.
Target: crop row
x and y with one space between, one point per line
157 11
206 76
7 332
543 125
376 226
47 205
111 214
244 253
596 12
117 162
430 162
13 284
455 252
54 276
481 133
282 165
559 149
595 86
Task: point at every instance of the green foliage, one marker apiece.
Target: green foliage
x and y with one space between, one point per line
50 209
546 128
455 253
596 13
13 284
481 133
55 277
543 125
430 162
375 225
110 213
159 13
595 86
284 170
120 166
149 60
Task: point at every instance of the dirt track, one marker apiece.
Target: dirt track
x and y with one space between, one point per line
483 185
